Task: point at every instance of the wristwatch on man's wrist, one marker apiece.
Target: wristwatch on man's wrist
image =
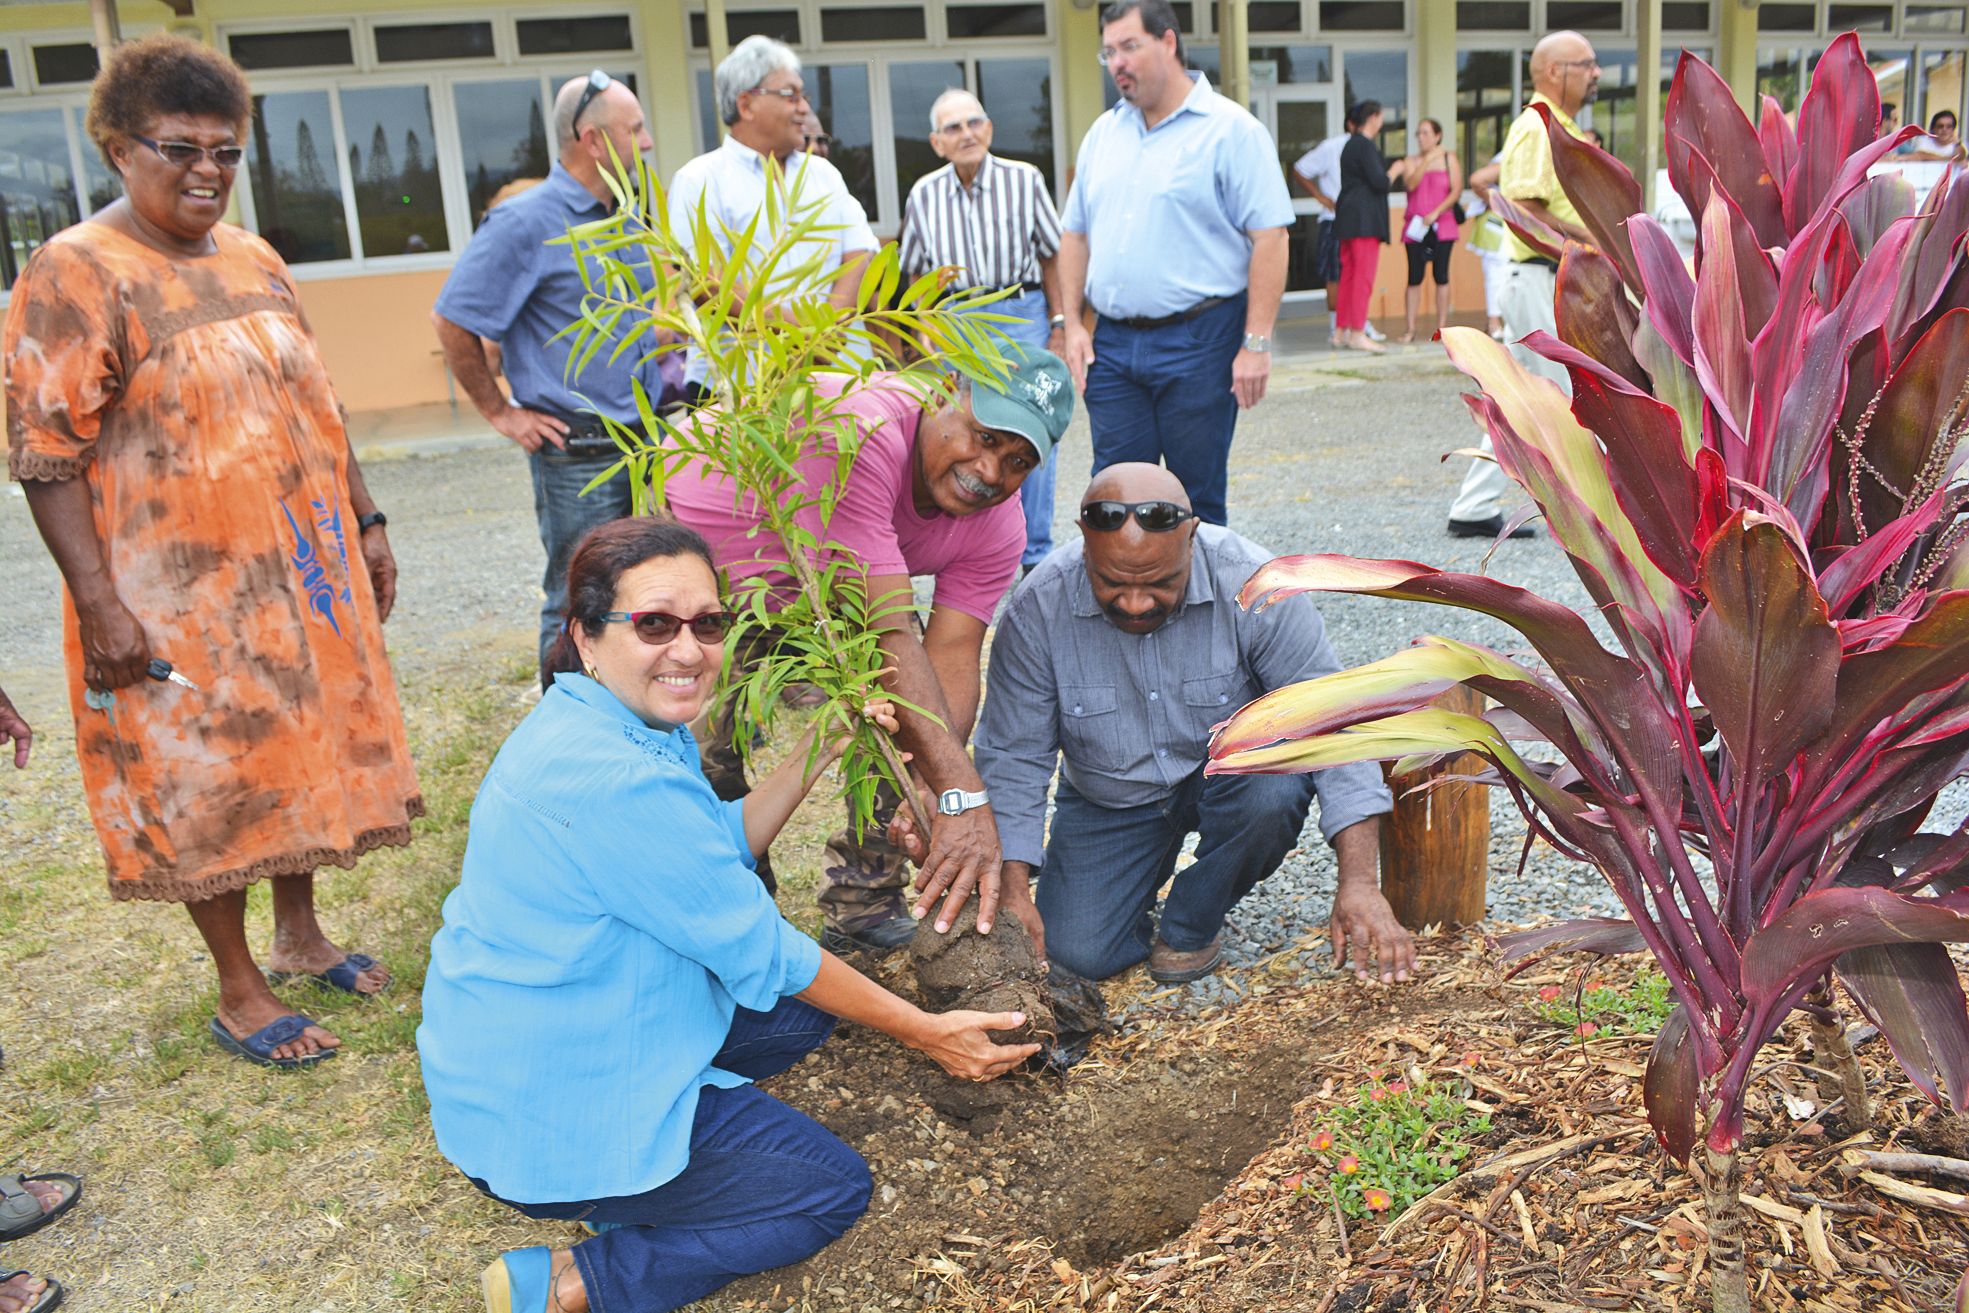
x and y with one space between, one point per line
373 520
955 802
1258 342
1058 321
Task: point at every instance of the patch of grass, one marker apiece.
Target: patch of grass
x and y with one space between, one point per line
1594 1007
70 1073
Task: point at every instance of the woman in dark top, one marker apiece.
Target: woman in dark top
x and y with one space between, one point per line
1360 222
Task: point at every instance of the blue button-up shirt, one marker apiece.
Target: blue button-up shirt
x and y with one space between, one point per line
514 288
1168 211
606 924
1128 716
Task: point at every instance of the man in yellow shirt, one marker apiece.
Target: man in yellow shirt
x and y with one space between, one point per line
1564 77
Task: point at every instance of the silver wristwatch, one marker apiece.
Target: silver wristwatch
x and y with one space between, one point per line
1257 342
955 802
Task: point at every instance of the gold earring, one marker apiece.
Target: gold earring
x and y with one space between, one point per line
590 672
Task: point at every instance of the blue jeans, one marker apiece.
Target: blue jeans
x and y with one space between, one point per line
765 1186
1103 865
1163 395
564 516
1036 493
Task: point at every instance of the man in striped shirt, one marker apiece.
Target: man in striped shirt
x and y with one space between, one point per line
993 221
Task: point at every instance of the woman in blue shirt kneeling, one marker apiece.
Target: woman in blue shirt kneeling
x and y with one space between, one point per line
611 975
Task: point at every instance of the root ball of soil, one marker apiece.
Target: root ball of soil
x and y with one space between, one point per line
998 972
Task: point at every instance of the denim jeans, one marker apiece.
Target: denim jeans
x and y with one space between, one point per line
1163 395
564 515
765 1186
1036 493
1103 865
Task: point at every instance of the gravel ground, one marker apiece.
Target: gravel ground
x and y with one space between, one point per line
1336 459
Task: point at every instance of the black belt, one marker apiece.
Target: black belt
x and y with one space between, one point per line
1180 317
1542 263
1023 287
587 435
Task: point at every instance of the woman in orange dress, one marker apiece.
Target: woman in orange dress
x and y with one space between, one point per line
183 454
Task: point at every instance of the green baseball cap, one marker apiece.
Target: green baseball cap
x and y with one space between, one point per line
1034 398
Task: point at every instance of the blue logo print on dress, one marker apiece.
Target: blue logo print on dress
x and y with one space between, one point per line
307 561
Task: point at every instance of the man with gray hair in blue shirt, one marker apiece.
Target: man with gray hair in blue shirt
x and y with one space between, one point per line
1175 235
511 287
1114 659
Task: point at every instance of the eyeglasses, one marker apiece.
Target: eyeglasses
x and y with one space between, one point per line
1575 63
976 123
1154 516
1131 47
184 154
659 627
791 95
598 82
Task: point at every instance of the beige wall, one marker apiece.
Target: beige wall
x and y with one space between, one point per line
376 337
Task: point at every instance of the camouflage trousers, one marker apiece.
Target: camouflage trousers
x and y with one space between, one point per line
865 878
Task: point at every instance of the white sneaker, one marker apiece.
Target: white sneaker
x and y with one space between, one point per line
1374 334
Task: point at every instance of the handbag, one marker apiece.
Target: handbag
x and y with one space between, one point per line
1456 213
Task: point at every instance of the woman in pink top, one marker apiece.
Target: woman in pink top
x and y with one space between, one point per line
1435 179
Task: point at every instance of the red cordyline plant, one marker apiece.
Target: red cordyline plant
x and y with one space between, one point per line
1756 479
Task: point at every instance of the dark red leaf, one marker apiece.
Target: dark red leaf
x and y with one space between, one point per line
1840 116
1875 205
1670 293
1821 927
1534 233
1601 189
1594 312
1702 118
1935 270
1922 402
1766 657
1672 1087
1913 993
1604 936
1780 143
1722 345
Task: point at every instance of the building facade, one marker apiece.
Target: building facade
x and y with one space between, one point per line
380 129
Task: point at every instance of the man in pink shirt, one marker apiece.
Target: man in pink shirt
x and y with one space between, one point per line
931 491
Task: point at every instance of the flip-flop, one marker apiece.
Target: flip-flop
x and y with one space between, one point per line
518 1279
258 1047
50 1297
341 976
20 1210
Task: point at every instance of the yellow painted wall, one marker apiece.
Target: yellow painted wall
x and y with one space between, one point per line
376 338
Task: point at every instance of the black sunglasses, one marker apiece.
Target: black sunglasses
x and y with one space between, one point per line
1154 516
659 627
598 82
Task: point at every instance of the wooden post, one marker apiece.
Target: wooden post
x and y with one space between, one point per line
1435 848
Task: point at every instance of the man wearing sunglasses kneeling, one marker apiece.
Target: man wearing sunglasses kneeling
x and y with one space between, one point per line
932 491
1115 658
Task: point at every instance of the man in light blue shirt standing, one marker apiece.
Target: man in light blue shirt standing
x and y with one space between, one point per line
1176 236
512 287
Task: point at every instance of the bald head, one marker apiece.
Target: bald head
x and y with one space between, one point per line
1138 577
1563 70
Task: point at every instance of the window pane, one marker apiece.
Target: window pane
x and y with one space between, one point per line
1583 15
1274 15
502 135
99 185
1941 82
259 50
995 20
1685 16
1018 94
1890 71
707 112
913 88
1493 15
1302 125
37 191
6 69
1779 76
1382 75
1362 16
1297 64
839 94
1859 18
563 36
1786 18
872 25
296 192
434 41
1931 18
54 64
1185 17
1486 104
399 204
779 24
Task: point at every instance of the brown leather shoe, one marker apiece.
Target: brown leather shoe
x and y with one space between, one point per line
1169 967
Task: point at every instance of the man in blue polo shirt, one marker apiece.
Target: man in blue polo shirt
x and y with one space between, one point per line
511 287
1175 234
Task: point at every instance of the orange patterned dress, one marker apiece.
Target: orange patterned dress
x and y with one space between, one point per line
188 395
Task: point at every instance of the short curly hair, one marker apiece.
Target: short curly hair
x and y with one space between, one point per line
163 74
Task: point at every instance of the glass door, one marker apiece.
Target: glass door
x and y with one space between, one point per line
1299 117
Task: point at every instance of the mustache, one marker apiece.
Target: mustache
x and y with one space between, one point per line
976 487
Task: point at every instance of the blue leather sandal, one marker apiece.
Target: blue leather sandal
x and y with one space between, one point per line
258 1047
